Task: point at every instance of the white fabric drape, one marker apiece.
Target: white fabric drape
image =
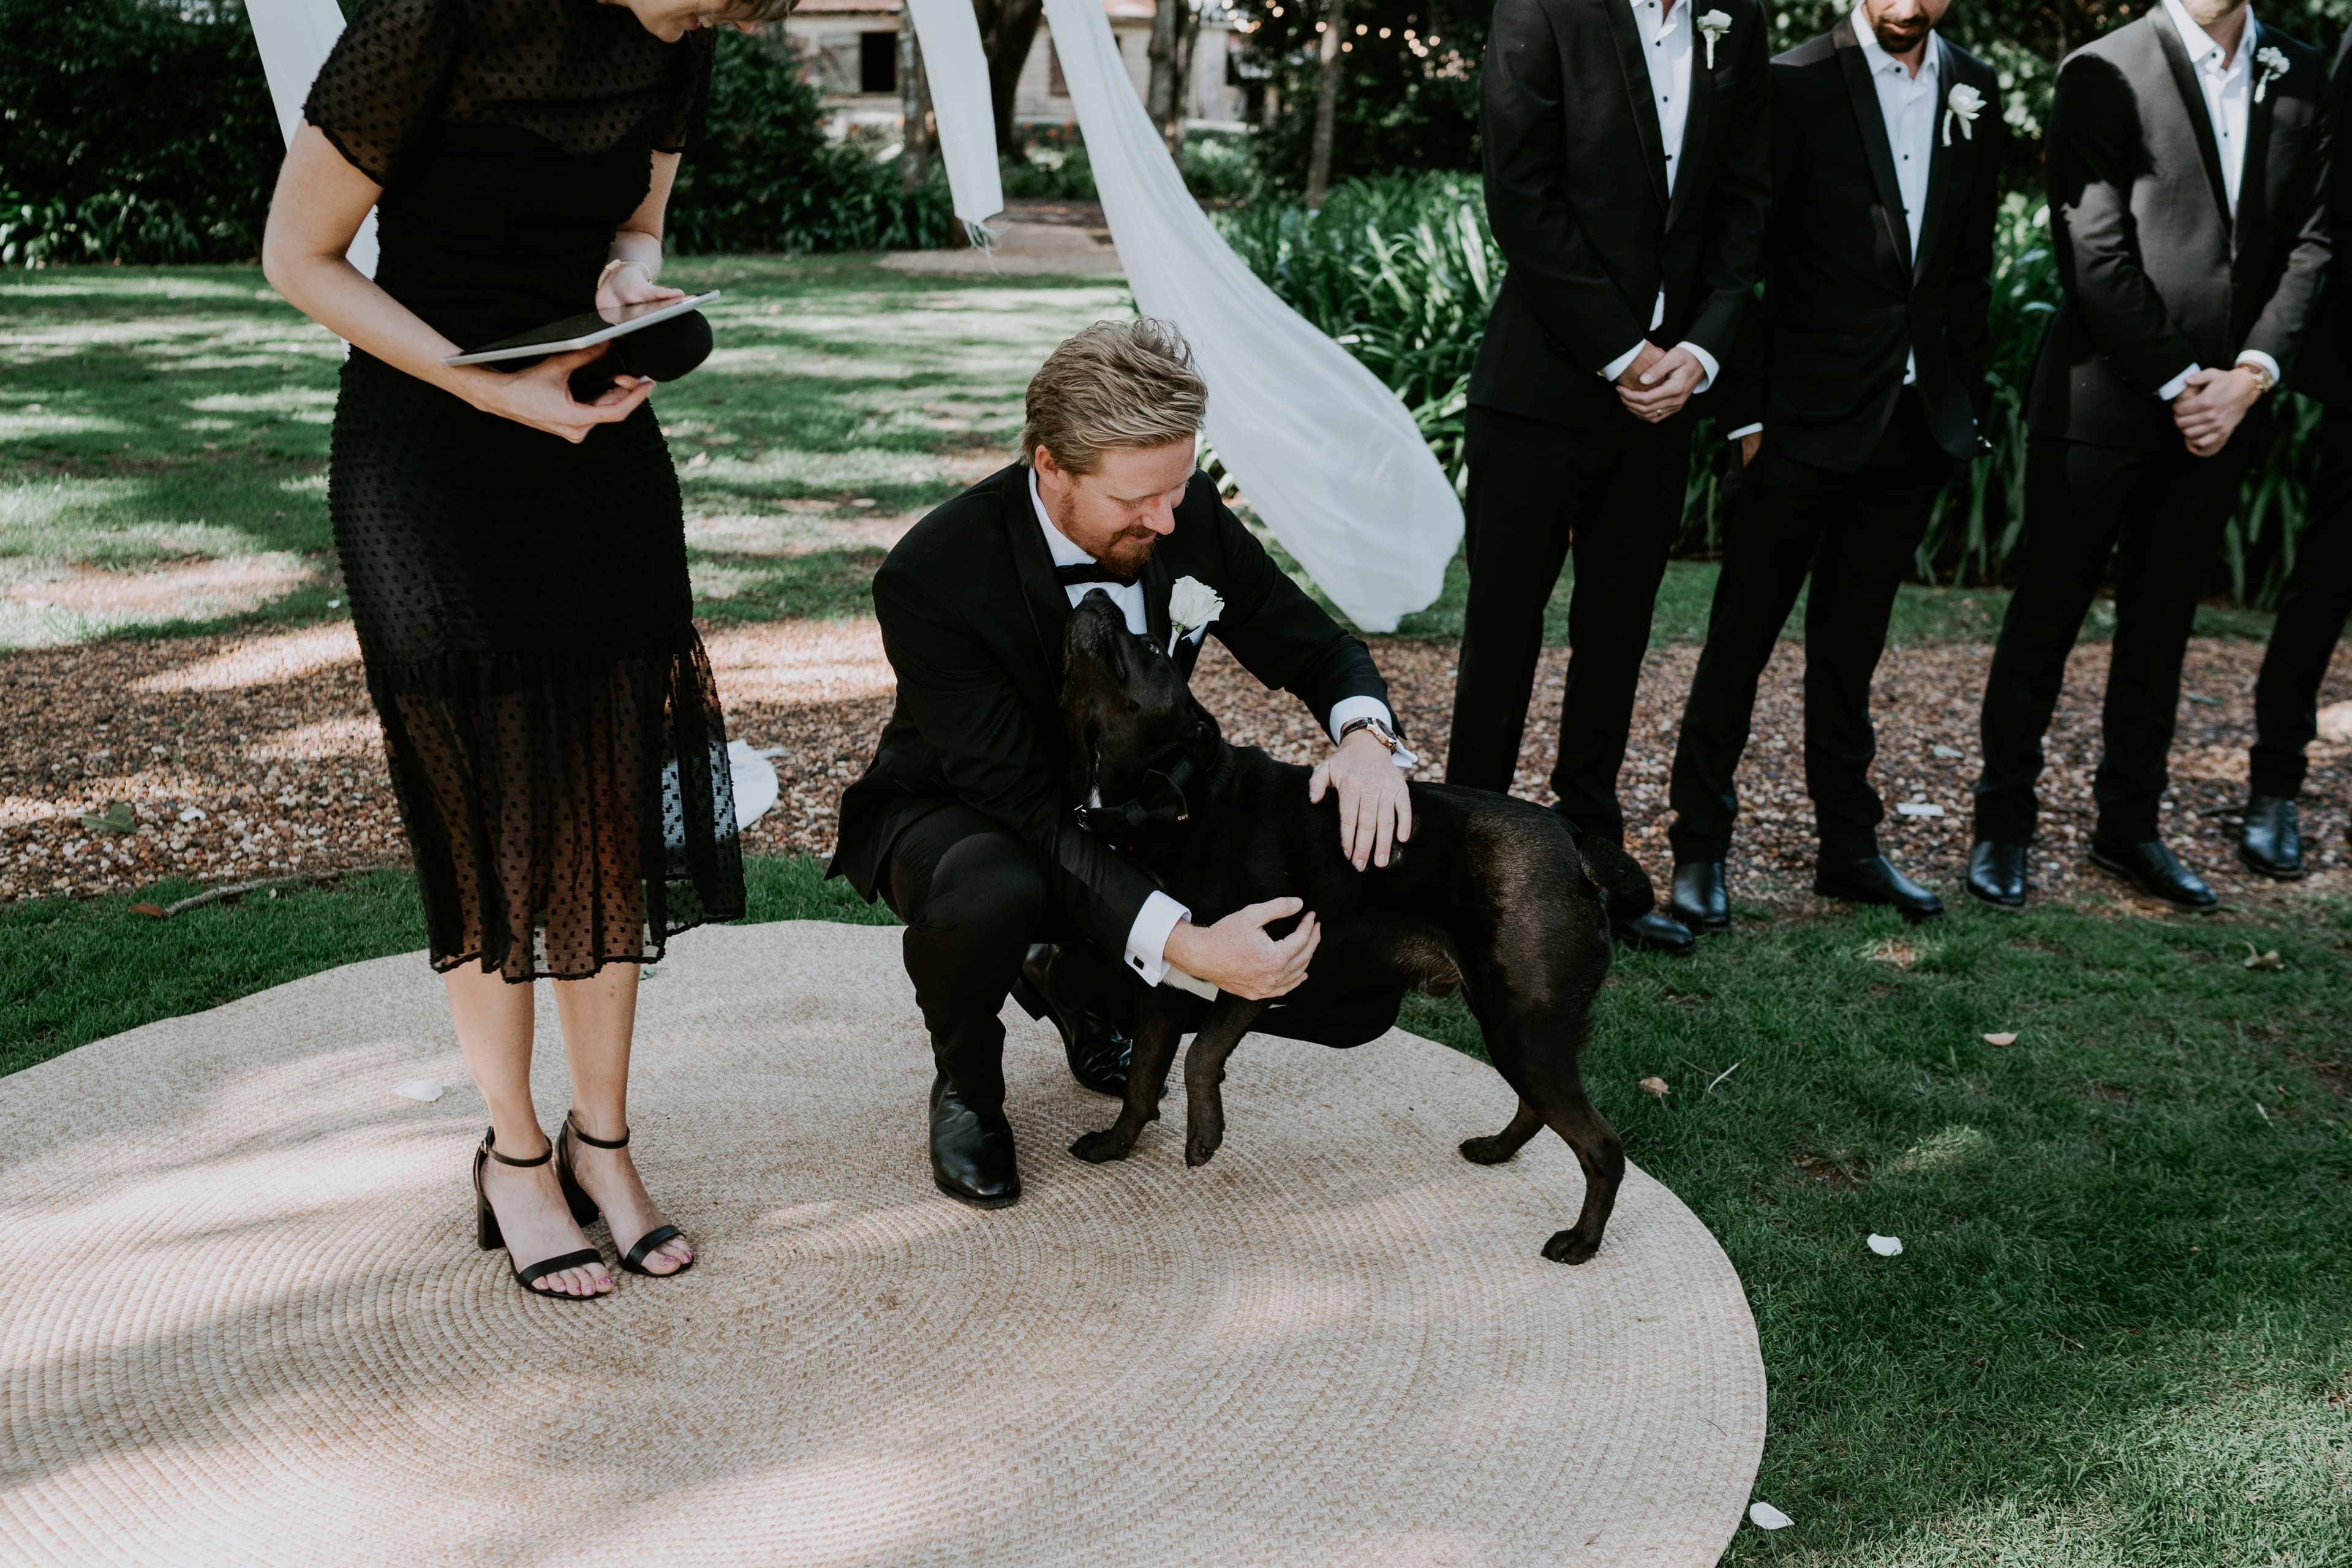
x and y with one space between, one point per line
296 38
1325 452
948 31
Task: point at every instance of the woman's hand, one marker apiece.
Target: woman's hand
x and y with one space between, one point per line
630 285
541 397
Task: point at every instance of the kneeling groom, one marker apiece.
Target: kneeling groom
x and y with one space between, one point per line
962 822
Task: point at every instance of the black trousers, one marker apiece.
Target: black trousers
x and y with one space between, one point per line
974 899
2310 619
1856 535
2161 514
1538 492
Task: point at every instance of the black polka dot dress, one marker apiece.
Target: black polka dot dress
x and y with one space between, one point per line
554 731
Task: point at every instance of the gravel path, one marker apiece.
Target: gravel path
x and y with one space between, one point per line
257 754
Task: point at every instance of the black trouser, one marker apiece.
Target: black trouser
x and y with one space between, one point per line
2167 509
1856 533
974 899
2310 619
1537 492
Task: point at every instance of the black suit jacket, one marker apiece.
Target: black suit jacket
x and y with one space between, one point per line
2157 274
2326 375
1845 301
1576 194
973 618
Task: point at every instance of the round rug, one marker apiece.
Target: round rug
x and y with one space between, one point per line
244 1317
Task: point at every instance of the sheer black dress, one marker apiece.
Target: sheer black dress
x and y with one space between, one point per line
555 736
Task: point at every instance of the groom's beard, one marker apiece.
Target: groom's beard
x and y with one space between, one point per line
1899 37
1128 551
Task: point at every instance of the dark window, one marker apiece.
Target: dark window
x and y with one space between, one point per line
878 62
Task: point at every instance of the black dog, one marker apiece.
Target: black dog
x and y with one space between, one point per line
1492 895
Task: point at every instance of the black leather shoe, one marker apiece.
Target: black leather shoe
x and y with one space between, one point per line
1654 933
1098 1052
1875 880
2271 842
1997 874
1699 901
2150 867
971 1151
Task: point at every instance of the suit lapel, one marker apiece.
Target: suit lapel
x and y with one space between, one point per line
1872 122
1048 604
1627 34
1158 587
2251 182
1947 167
2193 98
1702 101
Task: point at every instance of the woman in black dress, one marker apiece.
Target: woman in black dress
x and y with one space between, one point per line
516 559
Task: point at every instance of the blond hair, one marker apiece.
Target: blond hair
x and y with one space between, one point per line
1117 386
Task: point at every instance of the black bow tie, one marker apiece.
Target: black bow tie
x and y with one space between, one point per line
1089 572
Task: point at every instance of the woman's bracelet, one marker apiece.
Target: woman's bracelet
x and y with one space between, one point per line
615 265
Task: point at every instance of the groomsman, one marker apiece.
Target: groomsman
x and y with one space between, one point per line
2184 154
2320 590
1627 171
1866 386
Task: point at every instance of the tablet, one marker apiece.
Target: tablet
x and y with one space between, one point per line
584 330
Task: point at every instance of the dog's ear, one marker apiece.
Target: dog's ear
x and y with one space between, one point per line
1115 657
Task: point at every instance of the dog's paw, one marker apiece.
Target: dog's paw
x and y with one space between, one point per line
1100 1148
1201 1147
1487 1151
1568 1247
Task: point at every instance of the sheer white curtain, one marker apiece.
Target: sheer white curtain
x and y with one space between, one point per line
296 37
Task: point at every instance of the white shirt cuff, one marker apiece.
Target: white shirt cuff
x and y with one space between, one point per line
1616 367
2256 356
1147 938
1745 430
1705 363
2177 385
1350 709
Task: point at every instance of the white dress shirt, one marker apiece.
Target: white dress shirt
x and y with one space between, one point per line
1147 938
1908 105
2226 82
1666 43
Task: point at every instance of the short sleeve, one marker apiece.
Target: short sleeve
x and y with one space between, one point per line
682 123
387 79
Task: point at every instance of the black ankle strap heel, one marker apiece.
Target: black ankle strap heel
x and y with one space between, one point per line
488 1237
584 1207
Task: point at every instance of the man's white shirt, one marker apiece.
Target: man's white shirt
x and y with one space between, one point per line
1907 104
1667 45
2227 86
1147 938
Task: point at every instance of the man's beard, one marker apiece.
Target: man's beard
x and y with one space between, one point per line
1896 39
1128 551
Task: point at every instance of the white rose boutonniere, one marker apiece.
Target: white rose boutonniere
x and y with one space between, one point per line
2273 61
1963 103
1192 606
1712 26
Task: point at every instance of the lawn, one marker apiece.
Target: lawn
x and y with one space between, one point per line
2120 1330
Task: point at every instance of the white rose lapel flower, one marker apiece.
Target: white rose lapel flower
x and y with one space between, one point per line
1192 606
1963 103
1712 26
2273 61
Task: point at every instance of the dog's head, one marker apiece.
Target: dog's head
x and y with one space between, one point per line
1129 717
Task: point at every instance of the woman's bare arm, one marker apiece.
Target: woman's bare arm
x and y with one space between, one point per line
319 202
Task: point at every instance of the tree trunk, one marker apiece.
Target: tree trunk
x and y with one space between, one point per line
918 136
1326 102
1175 24
1007 29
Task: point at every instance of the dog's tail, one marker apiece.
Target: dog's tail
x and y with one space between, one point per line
1623 886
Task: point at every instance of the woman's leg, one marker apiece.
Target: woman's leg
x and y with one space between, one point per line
493 1021
599 1017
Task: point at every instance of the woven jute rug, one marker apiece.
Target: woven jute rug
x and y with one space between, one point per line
242 1317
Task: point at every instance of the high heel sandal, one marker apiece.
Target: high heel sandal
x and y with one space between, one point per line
584 1207
487 1233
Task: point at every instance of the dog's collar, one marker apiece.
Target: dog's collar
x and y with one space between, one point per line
1158 802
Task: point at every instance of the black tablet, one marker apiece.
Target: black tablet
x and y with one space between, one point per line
584 330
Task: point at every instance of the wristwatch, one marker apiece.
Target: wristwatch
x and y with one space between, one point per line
2264 379
1383 734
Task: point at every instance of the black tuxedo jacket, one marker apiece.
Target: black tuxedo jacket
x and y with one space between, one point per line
972 619
1575 194
1845 301
2157 274
2327 374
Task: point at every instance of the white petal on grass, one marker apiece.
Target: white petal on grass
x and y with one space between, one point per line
1886 1246
427 1089
1764 1516
2004 1038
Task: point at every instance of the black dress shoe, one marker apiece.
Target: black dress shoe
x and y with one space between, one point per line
1875 880
972 1149
1699 901
1098 1052
2271 842
1997 874
1654 933
2150 867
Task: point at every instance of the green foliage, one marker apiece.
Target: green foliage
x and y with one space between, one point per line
1053 167
1404 102
764 177
132 131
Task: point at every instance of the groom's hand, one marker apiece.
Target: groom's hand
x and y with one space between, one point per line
1236 955
1375 807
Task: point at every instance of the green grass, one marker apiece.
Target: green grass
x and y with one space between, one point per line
2119 1334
